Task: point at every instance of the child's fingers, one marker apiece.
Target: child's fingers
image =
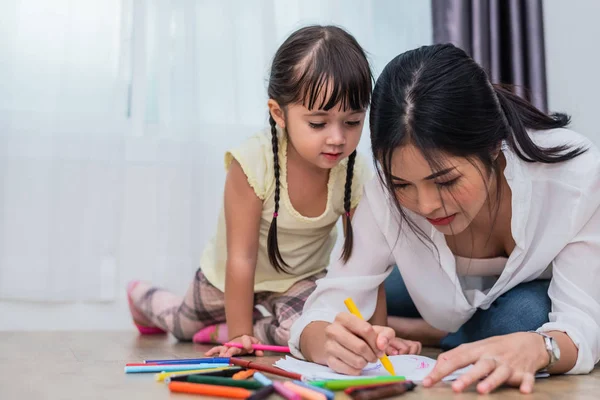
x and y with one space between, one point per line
247 343
231 351
213 351
400 346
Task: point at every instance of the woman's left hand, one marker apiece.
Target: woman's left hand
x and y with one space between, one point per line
512 359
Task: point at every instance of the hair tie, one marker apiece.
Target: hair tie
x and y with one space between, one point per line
348 214
275 215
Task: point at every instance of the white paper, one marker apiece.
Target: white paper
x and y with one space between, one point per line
413 367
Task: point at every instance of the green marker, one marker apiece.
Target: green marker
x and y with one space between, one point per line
218 380
342 384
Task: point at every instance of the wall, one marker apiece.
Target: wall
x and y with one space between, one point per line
573 59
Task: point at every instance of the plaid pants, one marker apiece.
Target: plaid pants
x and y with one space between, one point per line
204 305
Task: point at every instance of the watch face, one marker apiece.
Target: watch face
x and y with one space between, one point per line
555 350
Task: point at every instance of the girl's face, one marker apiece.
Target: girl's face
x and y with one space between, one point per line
449 198
322 138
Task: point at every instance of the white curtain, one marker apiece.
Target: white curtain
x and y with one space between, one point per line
114 116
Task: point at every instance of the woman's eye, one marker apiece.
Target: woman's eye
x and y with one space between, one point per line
449 183
398 186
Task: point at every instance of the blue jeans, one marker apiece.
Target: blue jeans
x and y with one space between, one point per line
523 308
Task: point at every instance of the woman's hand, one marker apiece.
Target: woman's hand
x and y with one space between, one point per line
512 359
226 351
351 343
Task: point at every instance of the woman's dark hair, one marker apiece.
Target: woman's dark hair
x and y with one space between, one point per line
442 102
319 67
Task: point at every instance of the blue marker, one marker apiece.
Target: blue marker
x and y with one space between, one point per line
171 368
216 360
262 379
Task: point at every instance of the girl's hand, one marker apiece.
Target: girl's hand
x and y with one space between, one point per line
351 343
225 351
401 346
512 359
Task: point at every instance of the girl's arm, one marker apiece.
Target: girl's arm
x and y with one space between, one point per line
242 217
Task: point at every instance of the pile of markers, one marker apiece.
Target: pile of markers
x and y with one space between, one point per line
242 379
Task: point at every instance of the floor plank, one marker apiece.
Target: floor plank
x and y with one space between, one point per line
89 365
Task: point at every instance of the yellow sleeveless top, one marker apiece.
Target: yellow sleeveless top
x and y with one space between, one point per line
305 243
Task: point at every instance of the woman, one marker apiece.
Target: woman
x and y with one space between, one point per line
480 197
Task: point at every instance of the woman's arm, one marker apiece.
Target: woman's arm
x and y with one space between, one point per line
359 278
575 294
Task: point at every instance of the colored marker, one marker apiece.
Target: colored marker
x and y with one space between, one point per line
371 386
264 347
385 361
346 383
285 392
182 376
218 380
306 394
264 368
263 393
262 379
383 392
209 390
205 360
244 374
170 368
328 393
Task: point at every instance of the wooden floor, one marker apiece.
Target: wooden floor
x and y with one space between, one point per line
82 365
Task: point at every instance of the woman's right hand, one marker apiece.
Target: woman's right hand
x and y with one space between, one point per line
351 343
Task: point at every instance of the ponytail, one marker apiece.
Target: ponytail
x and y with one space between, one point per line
520 116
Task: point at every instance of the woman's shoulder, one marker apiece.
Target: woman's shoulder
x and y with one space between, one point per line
581 172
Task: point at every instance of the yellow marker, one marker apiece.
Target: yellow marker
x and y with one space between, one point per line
385 361
161 376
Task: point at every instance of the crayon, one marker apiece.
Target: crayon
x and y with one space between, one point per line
209 390
263 393
385 361
306 394
383 392
264 347
219 380
285 392
264 368
328 393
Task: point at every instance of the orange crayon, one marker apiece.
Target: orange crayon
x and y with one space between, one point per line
244 374
209 390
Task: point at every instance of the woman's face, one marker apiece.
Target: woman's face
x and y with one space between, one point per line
449 197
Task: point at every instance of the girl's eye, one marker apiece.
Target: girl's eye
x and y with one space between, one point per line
316 126
449 183
353 123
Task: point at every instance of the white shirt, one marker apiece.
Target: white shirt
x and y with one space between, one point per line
555 222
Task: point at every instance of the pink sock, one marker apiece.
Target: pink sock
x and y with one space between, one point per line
214 334
139 320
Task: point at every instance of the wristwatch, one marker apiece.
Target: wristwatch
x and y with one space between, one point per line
552 349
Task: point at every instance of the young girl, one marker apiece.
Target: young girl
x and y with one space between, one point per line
285 190
481 197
